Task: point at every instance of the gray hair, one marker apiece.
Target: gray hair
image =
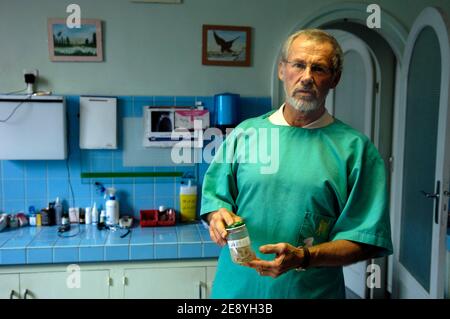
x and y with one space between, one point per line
319 36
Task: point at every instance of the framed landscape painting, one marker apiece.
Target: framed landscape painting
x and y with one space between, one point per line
75 44
226 45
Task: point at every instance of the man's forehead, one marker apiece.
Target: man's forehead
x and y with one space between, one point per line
303 45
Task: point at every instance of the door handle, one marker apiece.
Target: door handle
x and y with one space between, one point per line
436 203
25 294
430 195
12 294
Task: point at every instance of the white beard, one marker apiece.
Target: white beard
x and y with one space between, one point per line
303 105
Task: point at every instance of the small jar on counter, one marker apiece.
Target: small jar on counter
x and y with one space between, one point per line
32 219
38 219
239 243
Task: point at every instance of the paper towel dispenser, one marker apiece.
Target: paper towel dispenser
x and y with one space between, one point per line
98 122
32 127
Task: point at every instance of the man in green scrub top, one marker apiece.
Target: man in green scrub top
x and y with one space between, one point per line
323 206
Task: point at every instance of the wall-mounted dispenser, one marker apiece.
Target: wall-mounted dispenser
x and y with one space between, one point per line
225 106
32 127
98 122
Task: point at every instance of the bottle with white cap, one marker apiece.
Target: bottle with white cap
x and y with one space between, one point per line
112 207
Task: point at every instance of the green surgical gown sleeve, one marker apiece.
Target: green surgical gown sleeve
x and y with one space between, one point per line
365 216
219 185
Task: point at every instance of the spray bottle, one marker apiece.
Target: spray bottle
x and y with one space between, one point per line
112 207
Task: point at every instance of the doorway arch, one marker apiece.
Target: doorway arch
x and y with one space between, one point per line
355 13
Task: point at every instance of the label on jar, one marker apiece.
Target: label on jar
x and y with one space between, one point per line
239 243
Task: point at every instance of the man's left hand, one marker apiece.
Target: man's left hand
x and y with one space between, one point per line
287 257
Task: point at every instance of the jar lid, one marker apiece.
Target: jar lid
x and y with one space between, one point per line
236 224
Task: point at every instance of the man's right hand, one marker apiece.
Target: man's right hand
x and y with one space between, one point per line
218 220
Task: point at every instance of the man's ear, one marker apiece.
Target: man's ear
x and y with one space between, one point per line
335 80
280 71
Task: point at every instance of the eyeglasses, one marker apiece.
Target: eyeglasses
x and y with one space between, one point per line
316 69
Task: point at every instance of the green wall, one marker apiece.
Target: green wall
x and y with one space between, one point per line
155 49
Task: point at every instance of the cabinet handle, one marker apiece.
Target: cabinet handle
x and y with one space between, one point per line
200 289
12 294
25 294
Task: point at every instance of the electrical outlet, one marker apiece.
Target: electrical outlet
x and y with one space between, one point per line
34 72
30 77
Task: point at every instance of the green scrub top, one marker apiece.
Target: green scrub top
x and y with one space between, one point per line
329 184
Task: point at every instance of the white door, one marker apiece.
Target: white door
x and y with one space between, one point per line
422 160
352 102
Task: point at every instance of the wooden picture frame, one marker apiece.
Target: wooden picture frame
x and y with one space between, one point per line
226 45
75 44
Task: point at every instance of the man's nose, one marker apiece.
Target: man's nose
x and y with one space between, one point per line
307 78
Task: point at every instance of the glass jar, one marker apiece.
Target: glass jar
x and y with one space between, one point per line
239 243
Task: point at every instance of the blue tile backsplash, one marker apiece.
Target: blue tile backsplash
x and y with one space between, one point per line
26 183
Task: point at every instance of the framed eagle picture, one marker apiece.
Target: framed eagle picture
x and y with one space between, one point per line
226 45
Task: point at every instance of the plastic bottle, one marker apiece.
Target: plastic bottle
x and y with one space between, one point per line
101 223
38 219
65 220
188 201
33 219
88 215
199 105
32 215
95 214
102 216
58 211
112 207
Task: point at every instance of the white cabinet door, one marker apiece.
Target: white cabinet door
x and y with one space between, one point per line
9 286
422 146
165 283
88 284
